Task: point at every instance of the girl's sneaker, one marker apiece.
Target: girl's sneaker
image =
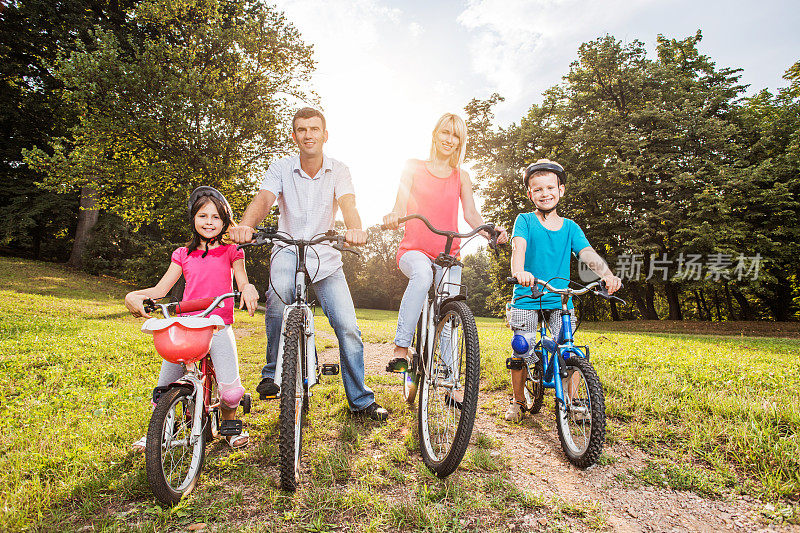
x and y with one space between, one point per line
514 413
140 445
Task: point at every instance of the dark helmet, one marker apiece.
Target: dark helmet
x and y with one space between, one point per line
546 165
205 190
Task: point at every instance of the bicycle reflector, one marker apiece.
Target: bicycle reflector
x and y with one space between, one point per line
183 339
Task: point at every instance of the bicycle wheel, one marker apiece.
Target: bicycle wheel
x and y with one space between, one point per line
582 425
411 376
173 457
445 424
293 402
534 390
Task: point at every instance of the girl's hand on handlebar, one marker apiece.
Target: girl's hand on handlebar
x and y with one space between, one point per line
241 234
613 283
134 301
355 236
249 299
526 279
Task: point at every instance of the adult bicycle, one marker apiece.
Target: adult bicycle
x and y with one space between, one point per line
444 361
297 368
558 364
187 411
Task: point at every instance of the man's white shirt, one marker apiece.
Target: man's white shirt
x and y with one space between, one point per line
308 206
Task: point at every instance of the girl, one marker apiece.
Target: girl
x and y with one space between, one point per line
433 189
206 264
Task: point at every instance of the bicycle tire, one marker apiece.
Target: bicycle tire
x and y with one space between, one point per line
534 389
290 422
582 447
173 416
440 453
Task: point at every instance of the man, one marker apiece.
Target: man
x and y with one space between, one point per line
309 188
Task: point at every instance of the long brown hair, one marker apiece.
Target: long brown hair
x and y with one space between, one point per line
224 215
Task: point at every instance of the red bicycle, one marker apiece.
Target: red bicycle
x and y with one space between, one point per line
187 412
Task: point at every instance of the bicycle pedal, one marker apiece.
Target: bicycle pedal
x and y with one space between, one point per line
229 428
330 369
246 402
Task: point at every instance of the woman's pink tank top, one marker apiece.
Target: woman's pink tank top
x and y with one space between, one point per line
437 200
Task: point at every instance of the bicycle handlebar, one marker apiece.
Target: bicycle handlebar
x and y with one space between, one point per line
189 306
269 234
536 293
489 227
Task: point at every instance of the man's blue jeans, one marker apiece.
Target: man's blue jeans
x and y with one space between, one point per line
334 297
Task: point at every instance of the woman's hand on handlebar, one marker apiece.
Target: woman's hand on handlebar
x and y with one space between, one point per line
526 279
134 301
502 235
391 221
249 299
241 234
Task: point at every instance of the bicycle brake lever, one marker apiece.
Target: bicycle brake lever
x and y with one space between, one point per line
343 249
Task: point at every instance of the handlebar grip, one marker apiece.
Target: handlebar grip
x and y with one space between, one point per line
512 279
149 305
189 306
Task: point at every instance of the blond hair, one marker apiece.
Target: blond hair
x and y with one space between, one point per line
459 129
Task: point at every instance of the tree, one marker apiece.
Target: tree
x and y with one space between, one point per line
194 92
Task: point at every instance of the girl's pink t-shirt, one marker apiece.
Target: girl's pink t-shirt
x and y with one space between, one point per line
209 276
437 200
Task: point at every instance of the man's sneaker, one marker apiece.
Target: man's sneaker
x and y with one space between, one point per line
374 411
267 389
514 413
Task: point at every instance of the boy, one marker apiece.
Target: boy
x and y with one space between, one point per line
541 247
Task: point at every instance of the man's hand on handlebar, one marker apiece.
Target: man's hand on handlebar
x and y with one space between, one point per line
526 279
134 301
249 299
241 234
502 236
613 283
355 237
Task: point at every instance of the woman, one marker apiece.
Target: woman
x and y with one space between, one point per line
433 189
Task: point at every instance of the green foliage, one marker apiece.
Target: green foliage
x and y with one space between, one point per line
194 92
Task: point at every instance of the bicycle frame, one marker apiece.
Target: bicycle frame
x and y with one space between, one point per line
308 347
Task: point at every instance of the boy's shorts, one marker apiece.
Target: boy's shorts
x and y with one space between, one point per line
527 320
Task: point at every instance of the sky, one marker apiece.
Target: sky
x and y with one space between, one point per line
386 71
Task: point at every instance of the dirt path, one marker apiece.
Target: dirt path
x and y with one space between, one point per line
538 465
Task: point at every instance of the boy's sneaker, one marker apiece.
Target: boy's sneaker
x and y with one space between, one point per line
374 411
267 389
514 413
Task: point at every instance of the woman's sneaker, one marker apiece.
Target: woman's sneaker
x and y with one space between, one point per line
140 445
514 413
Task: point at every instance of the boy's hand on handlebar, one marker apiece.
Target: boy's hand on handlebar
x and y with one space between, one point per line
526 279
249 299
135 303
355 236
613 283
241 234
391 221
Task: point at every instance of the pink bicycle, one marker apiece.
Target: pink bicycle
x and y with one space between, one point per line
187 412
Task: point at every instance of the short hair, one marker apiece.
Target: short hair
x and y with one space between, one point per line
308 112
460 129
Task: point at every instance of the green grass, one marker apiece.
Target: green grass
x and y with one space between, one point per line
714 413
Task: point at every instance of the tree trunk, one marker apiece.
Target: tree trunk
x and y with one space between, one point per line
671 291
729 302
650 300
87 218
614 312
706 310
745 311
699 306
716 305
636 296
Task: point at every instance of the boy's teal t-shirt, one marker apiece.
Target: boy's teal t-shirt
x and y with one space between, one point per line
547 255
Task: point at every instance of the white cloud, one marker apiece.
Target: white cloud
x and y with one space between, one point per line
523 47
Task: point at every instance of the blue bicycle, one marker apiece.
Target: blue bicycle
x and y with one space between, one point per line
558 364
